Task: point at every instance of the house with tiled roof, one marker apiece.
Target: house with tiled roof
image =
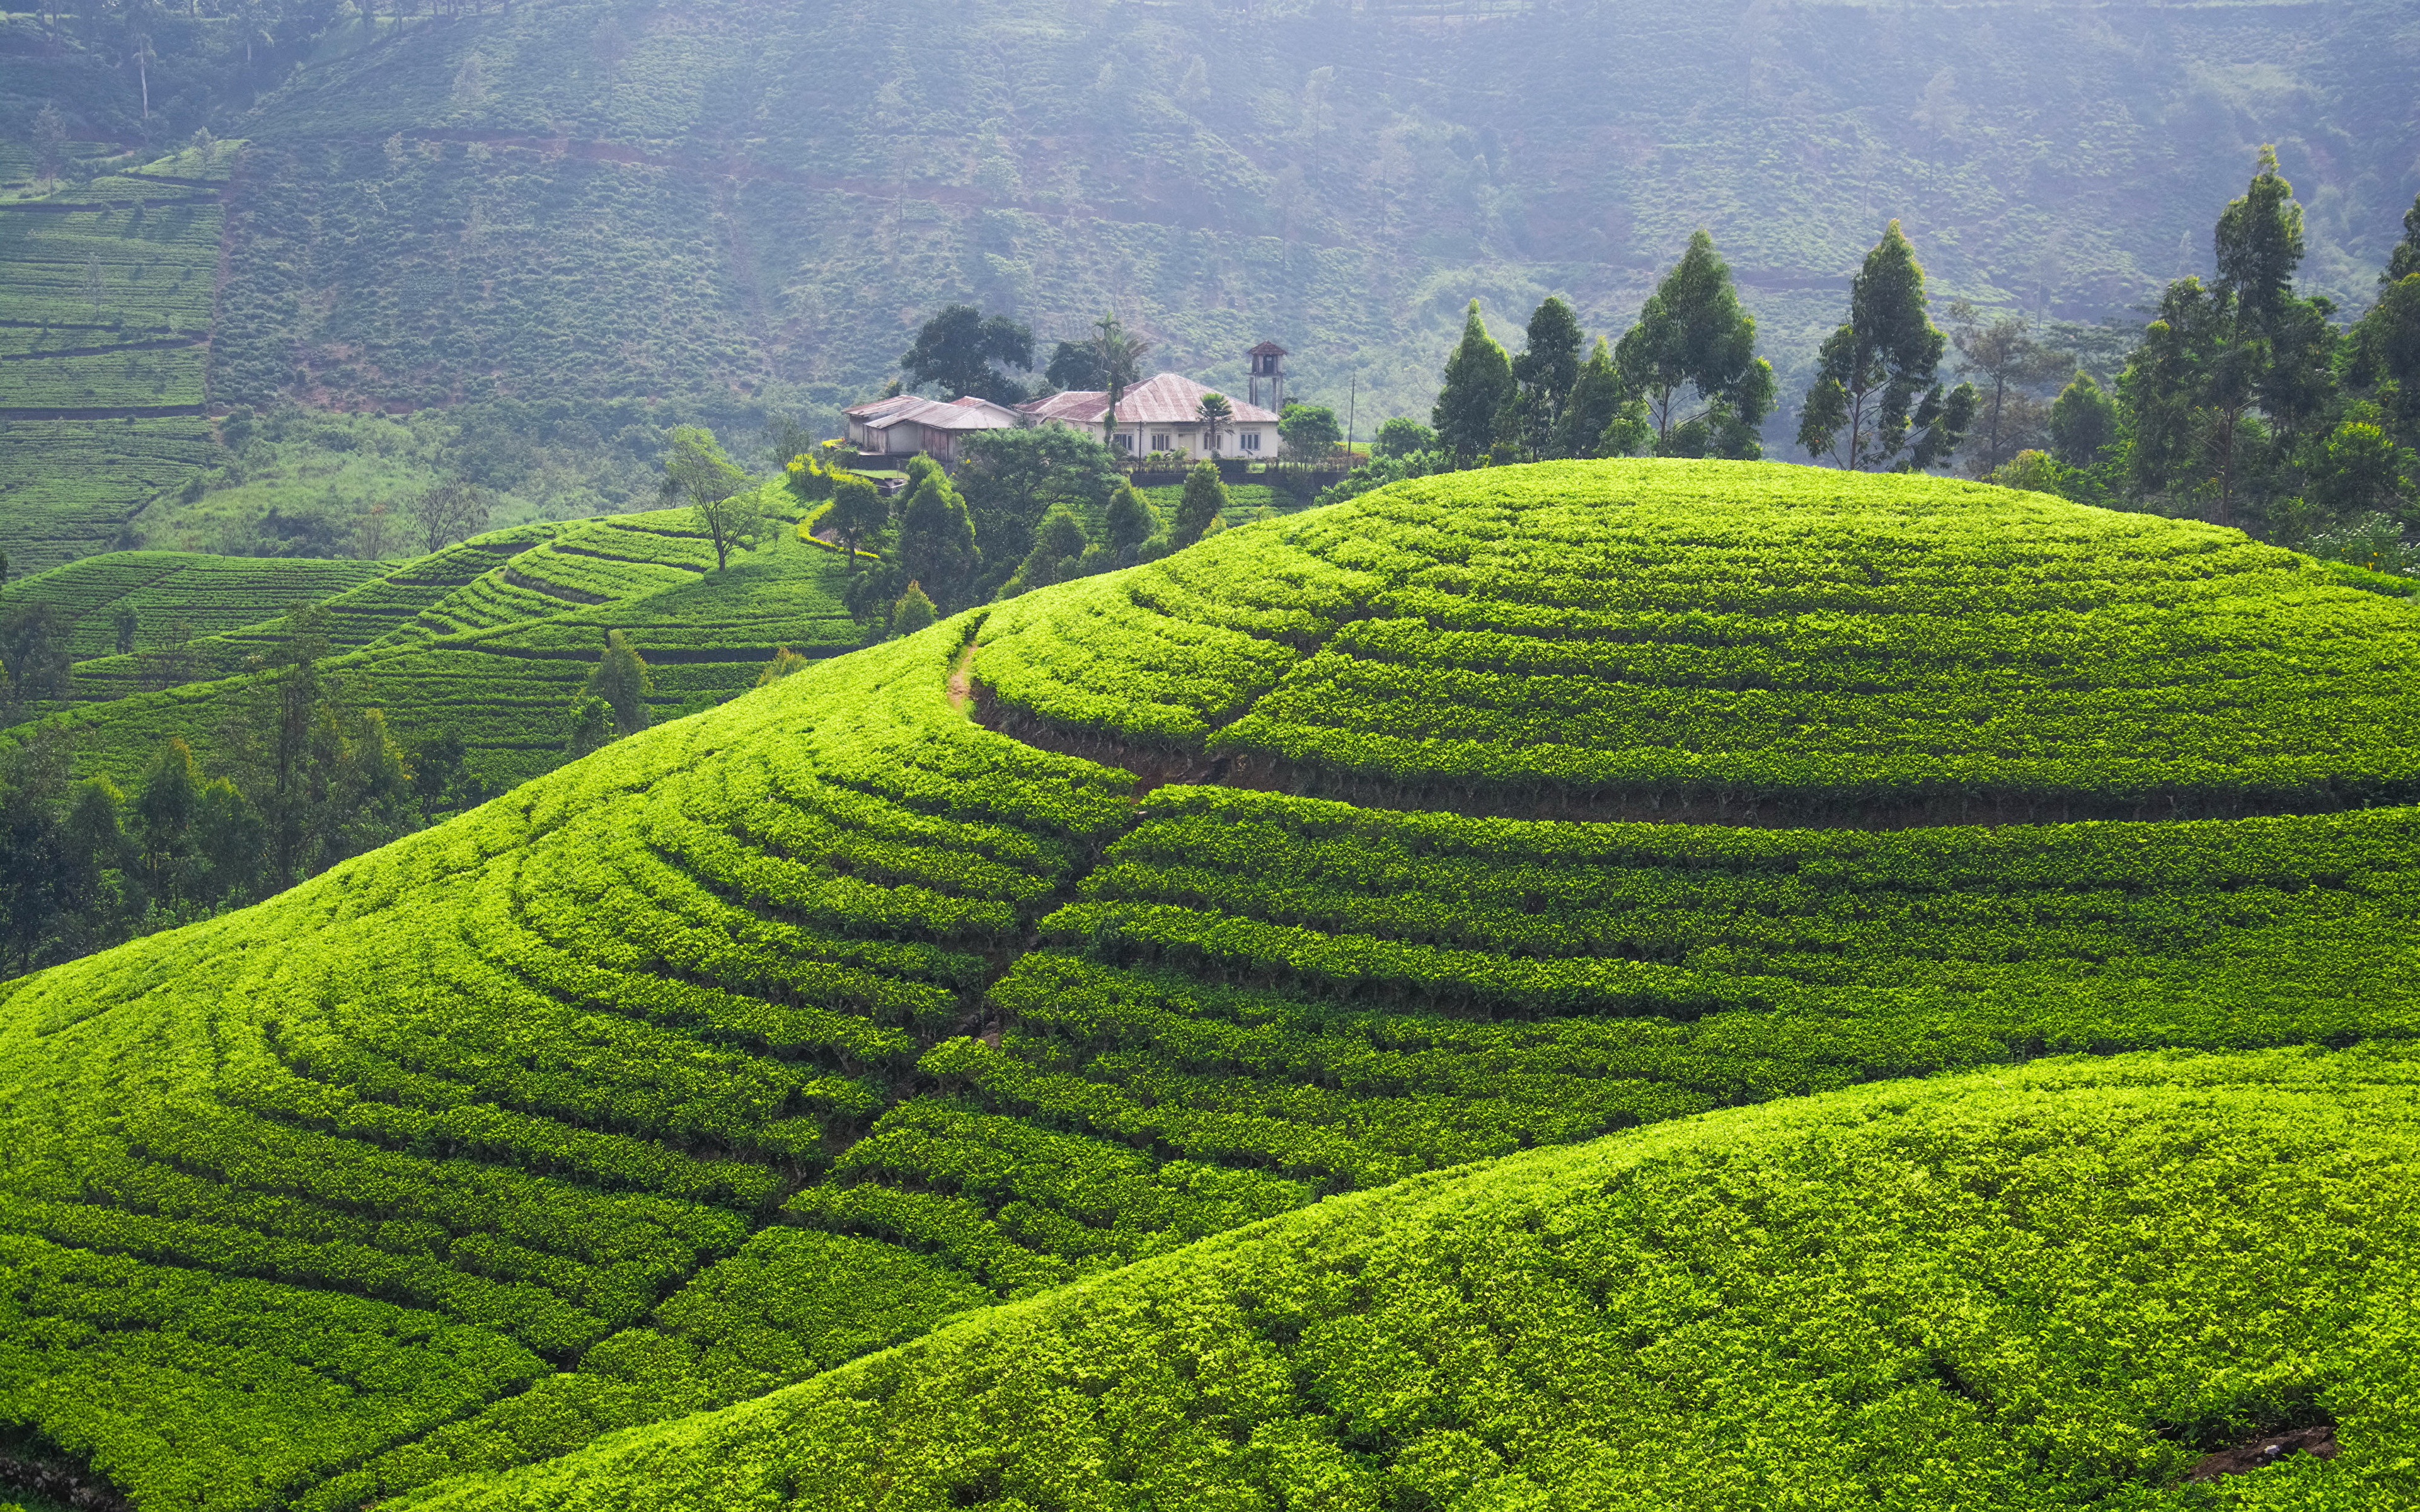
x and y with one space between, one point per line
907 424
1161 414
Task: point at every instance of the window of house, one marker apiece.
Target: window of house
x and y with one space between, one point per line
1125 440
1159 441
1250 440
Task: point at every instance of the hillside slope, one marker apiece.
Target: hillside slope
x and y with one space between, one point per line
777 1034
489 641
2062 1285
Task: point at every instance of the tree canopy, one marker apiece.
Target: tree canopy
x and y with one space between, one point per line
962 352
1875 395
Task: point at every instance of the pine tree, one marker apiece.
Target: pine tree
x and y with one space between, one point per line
1692 335
1875 393
622 681
1203 500
1478 387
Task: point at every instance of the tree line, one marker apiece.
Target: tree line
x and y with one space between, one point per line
2242 400
304 781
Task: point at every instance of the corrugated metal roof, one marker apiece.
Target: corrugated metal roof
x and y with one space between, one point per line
876 407
979 414
1169 399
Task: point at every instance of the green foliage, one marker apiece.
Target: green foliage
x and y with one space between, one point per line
621 680
1197 510
1542 376
961 353
912 612
1875 393
1692 335
859 515
1401 437
772 1035
1310 431
725 501
1944 1286
1478 388
202 594
2082 421
1541 633
1011 478
937 536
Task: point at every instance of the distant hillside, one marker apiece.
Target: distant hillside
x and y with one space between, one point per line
737 207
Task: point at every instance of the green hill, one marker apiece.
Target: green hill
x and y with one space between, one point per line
778 1034
206 595
564 221
489 641
2055 1286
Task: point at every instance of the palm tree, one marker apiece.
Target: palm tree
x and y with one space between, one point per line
1120 357
1215 414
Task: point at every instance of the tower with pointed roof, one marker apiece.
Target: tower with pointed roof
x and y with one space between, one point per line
1266 363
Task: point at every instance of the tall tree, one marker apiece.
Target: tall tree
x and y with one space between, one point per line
937 537
2217 359
50 144
1199 507
961 352
454 510
1544 374
2002 352
1010 478
2382 352
622 680
1604 416
1130 525
1075 366
723 496
1214 412
1310 432
1478 388
859 514
1692 336
2083 420
1117 359
1875 393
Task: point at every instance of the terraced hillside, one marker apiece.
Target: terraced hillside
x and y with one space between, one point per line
107 293
207 596
490 640
782 1033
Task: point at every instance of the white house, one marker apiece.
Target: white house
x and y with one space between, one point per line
906 424
1161 414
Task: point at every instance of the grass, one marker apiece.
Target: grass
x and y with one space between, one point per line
788 1031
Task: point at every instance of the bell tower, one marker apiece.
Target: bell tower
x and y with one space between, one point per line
1266 363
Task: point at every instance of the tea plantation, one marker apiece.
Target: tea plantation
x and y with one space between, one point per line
1231 899
107 292
489 640
206 594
